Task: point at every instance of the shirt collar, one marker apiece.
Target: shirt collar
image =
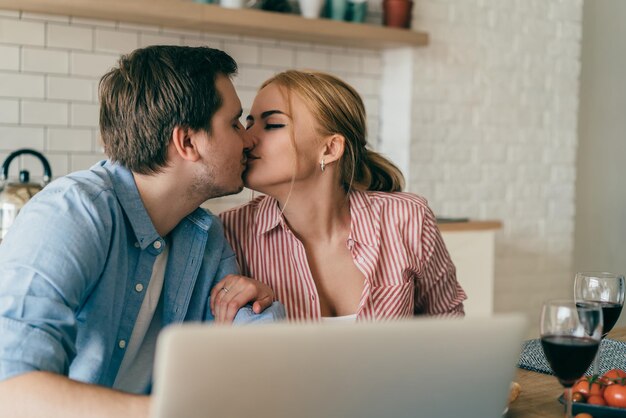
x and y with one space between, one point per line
363 229
365 219
130 200
128 196
268 215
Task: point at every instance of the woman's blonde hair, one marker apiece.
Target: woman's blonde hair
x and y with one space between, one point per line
338 109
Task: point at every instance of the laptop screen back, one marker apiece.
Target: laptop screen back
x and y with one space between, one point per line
412 368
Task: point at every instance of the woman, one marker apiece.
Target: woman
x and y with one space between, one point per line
334 237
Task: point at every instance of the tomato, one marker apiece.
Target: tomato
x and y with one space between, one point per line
615 395
588 386
613 376
596 400
577 397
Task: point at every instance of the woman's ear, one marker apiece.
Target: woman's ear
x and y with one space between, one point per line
334 148
185 142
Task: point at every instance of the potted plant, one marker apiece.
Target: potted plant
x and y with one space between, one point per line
397 13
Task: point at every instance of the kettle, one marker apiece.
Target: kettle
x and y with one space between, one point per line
14 195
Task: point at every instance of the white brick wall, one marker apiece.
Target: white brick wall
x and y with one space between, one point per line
10 57
495 115
41 60
69 37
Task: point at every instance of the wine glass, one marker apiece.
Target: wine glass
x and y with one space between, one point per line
570 335
606 289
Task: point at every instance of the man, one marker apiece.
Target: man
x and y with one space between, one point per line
101 260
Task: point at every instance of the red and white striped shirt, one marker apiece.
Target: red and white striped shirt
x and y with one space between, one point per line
394 241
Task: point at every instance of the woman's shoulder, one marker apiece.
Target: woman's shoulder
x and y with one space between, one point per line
394 200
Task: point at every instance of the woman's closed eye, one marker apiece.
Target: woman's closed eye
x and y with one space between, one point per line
270 126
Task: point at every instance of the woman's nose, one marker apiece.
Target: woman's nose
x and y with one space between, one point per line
249 140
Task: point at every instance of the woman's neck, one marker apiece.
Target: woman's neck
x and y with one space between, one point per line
320 216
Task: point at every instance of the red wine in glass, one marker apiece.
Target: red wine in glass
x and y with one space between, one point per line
610 315
608 289
571 332
569 356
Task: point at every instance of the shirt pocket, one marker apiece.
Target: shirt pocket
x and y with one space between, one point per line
393 301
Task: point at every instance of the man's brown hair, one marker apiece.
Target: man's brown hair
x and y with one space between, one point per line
153 90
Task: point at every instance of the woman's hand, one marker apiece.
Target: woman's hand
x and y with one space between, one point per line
234 292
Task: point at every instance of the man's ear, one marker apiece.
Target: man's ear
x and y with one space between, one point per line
185 142
333 149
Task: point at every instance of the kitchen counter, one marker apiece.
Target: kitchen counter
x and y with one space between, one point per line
446 226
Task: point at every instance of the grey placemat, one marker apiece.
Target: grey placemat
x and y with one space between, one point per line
613 356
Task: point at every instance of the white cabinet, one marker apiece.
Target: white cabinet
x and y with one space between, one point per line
472 248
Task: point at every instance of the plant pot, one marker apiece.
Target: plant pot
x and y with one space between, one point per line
357 11
233 4
337 9
397 13
311 9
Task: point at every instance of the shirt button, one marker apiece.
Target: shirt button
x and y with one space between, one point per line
122 344
157 244
138 287
350 243
136 245
360 259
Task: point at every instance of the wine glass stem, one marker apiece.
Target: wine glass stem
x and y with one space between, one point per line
596 361
568 402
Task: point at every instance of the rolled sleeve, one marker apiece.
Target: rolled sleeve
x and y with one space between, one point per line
437 290
26 349
275 312
49 261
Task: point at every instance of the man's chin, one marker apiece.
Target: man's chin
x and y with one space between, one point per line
226 192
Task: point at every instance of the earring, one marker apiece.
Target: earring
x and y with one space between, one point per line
322 165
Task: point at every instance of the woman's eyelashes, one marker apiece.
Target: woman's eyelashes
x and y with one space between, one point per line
267 126
270 126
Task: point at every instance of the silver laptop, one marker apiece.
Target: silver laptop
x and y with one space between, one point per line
414 368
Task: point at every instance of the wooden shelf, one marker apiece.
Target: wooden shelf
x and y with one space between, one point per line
216 19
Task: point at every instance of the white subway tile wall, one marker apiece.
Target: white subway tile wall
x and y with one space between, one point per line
22 32
9 111
10 57
39 60
495 113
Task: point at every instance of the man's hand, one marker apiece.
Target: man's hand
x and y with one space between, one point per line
233 292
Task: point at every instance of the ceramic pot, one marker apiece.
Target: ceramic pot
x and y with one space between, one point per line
337 9
397 13
357 11
311 9
233 4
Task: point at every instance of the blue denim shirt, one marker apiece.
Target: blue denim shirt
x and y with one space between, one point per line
74 267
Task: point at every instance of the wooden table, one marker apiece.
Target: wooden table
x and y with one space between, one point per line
540 391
